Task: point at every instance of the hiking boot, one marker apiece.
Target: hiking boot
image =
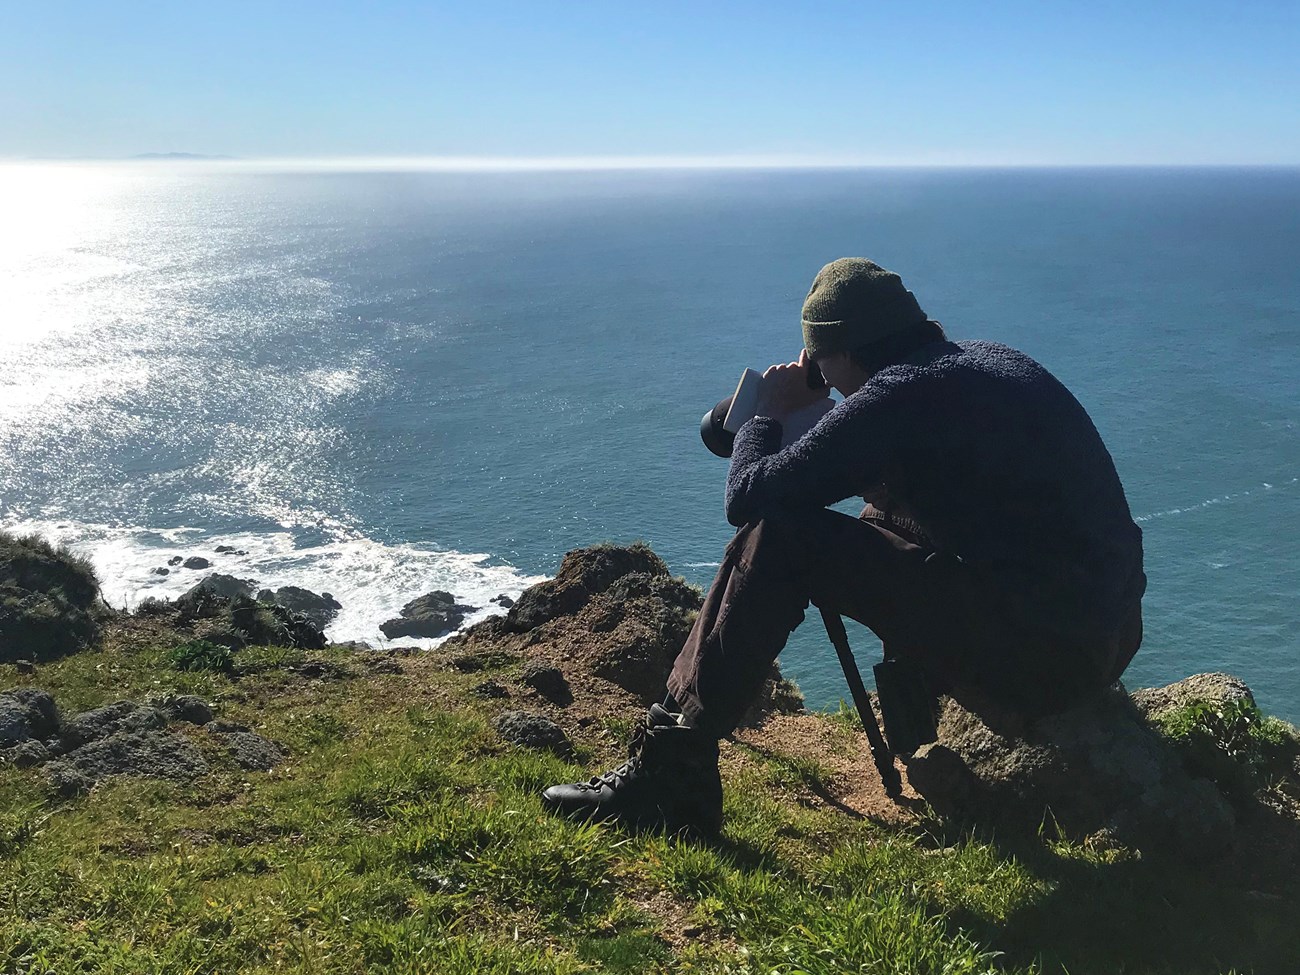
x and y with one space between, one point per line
670 780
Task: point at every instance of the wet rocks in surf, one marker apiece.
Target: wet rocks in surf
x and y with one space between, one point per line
222 585
432 615
321 609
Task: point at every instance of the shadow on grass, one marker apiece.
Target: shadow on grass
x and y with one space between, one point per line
1120 913
817 785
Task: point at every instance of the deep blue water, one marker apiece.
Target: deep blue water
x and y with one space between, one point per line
379 384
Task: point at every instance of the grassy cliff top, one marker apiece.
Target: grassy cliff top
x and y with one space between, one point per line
402 834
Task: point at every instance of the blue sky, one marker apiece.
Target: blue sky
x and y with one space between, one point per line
921 82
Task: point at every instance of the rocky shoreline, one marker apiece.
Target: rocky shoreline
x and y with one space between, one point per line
1182 769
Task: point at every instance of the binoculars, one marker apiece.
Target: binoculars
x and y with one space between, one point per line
719 426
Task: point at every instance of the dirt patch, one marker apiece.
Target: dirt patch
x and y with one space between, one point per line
851 783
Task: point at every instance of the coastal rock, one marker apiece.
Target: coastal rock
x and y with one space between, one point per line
175 560
583 573
432 615
1212 688
196 562
237 621
1097 769
532 731
224 549
547 681
26 713
321 609
612 620
161 570
219 584
504 601
49 600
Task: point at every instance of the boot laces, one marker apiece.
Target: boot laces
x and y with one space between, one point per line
614 777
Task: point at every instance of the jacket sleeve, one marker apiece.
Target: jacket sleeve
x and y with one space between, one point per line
841 456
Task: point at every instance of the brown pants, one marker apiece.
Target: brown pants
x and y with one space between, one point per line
951 620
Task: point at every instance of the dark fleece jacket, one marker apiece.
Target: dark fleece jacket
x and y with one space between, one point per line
990 454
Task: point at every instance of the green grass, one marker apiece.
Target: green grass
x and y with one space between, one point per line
403 836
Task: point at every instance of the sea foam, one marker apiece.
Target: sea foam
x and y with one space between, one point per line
370 579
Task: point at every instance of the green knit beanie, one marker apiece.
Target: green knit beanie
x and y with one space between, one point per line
854 302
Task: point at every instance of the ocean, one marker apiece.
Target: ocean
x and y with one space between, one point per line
377 384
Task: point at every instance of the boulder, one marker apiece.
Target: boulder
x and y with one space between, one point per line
432 615
25 714
161 570
174 560
1097 770
532 731
613 619
321 609
504 601
643 620
196 562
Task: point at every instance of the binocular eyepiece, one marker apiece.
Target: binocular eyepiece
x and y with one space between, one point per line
719 425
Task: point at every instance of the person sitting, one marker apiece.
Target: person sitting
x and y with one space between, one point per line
996 553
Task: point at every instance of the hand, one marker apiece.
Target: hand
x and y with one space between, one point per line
785 389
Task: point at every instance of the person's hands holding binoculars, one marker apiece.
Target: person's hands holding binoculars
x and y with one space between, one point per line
790 387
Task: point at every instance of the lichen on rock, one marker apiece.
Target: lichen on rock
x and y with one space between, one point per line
1099 769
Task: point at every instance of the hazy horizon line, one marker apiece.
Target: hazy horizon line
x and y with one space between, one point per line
466 163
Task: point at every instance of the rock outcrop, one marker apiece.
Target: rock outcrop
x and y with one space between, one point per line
612 618
49 600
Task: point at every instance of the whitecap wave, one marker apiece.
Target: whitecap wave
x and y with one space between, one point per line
1211 502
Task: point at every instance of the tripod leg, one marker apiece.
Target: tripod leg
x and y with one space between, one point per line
880 752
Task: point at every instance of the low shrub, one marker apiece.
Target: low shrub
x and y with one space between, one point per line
203 655
1234 744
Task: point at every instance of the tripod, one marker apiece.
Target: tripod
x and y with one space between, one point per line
884 758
